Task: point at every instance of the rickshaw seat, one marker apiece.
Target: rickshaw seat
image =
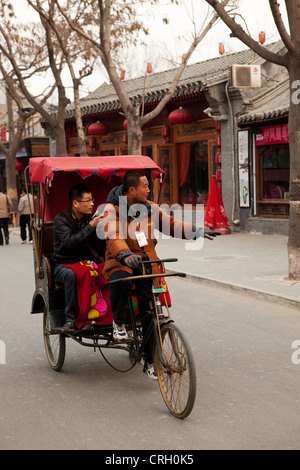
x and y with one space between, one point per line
47 253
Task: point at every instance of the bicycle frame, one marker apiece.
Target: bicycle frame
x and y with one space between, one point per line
158 317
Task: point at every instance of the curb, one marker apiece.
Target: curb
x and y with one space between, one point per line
242 290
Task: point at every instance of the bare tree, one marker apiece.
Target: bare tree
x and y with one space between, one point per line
113 19
10 151
290 60
31 51
74 51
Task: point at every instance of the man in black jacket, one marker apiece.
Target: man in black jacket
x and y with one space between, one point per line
75 240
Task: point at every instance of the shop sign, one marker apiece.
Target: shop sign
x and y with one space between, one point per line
243 154
271 135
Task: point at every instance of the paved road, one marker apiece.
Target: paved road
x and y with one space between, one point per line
248 387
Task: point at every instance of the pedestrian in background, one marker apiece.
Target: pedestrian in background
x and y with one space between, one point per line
24 213
5 208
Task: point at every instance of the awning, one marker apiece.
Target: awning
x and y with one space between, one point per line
45 167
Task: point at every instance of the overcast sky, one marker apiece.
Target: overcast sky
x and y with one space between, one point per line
173 40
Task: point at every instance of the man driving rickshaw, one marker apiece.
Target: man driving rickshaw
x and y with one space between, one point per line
129 223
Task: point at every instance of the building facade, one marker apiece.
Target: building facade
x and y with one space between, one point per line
233 121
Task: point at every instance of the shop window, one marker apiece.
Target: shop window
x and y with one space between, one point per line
275 172
193 172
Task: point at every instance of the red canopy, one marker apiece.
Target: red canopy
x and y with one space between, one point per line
45 167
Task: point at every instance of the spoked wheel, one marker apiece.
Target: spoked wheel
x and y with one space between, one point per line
177 379
55 344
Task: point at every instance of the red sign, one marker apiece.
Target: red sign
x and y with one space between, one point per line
271 135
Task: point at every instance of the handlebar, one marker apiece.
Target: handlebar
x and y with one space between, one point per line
210 234
150 276
159 261
146 276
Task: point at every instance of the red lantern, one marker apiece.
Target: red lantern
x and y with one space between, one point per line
218 140
3 133
19 166
125 138
122 74
97 128
149 68
221 48
219 175
165 132
262 37
218 158
92 142
181 116
218 126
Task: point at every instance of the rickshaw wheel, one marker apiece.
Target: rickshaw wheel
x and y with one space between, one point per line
55 344
177 381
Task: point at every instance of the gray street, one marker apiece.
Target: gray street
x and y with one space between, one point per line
248 386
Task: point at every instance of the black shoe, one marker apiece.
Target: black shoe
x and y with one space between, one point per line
69 327
6 241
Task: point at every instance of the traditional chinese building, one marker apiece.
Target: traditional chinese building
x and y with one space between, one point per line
236 111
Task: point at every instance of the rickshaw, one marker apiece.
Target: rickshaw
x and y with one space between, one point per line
49 180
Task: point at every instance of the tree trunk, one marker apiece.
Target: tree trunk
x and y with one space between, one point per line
10 162
79 124
134 131
294 146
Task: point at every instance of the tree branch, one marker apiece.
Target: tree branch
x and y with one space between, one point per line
239 32
286 38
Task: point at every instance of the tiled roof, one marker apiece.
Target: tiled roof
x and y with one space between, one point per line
194 78
274 104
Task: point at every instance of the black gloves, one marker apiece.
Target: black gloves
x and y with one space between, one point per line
130 260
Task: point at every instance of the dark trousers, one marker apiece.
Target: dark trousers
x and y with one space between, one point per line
67 277
4 227
25 221
118 298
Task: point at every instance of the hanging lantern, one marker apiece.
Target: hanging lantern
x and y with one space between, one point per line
97 128
218 126
165 132
125 138
218 158
218 140
3 133
181 116
262 37
221 48
149 68
219 175
122 74
19 165
93 143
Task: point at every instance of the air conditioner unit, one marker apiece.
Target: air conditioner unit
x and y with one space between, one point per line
246 76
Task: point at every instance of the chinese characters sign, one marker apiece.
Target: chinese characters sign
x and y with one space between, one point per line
271 135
